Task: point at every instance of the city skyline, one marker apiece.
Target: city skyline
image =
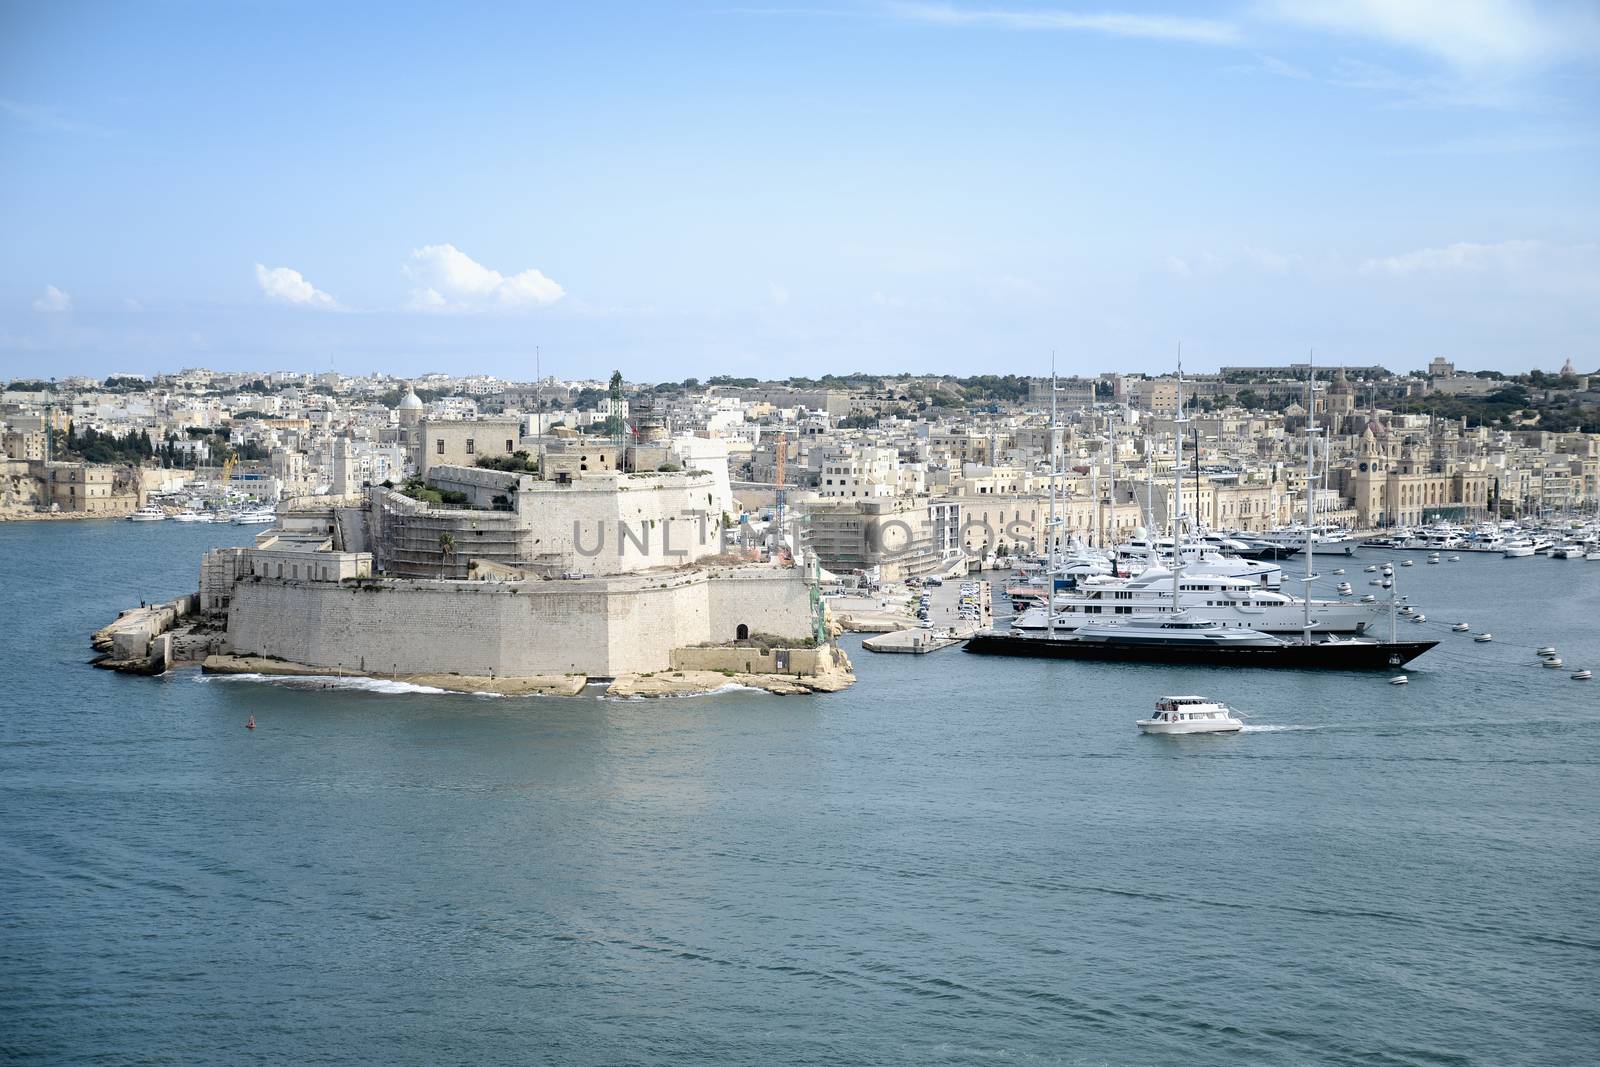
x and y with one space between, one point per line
771 192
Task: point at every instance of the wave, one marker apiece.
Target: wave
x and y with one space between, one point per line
388 686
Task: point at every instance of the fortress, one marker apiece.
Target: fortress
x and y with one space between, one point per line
493 574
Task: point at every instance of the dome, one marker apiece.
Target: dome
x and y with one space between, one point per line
411 401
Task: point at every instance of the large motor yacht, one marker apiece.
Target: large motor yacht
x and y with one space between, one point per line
1227 600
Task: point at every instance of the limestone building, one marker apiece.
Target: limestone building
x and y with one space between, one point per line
602 574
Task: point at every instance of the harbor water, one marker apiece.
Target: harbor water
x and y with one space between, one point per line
959 860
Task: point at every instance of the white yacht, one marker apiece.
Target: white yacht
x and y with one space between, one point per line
255 517
1518 547
1185 629
148 513
1324 539
1236 603
1191 715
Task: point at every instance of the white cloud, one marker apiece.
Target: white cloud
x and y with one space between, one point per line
130 304
285 285
1531 265
51 119
450 280
1116 24
1467 33
53 301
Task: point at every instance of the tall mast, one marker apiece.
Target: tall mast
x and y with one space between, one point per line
1311 426
1097 527
1113 491
1050 566
1177 488
1197 477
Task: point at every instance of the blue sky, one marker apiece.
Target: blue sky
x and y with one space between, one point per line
786 188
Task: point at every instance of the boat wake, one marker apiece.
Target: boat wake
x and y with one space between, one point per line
1266 728
386 686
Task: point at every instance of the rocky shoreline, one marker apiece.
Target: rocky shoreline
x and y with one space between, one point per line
657 684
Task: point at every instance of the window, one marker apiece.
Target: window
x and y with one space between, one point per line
441 446
510 444
471 448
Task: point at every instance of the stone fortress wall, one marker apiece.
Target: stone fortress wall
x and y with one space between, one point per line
599 627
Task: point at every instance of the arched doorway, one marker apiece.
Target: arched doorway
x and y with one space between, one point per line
742 633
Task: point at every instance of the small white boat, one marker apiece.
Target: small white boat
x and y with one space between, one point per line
1372 568
1344 589
1547 650
1339 571
1408 563
1583 675
1453 559
1368 598
148 513
1419 617
255 517
1481 638
1552 662
1460 627
1399 679
1191 715
189 516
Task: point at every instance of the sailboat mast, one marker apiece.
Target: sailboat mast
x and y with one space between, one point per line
1311 423
1050 566
1177 488
1113 490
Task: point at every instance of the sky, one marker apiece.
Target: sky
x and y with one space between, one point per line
771 188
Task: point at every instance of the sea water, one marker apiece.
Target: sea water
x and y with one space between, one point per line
962 859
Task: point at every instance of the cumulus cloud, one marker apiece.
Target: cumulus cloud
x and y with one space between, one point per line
285 285
450 280
1115 24
53 300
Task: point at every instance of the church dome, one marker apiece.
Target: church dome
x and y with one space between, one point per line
411 401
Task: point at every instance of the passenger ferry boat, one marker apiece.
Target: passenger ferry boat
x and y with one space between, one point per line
1190 715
